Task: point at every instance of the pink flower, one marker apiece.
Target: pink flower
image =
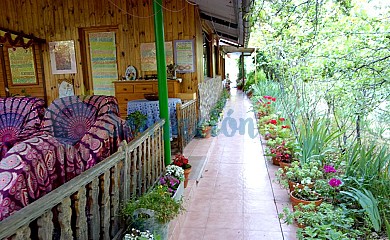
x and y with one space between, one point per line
334 182
267 97
329 169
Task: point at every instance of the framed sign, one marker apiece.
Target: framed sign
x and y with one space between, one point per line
184 55
62 57
148 56
22 66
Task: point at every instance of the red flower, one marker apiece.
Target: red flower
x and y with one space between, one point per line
273 99
273 121
268 102
282 119
285 126
266 97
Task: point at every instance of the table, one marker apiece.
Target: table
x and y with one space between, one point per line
152 111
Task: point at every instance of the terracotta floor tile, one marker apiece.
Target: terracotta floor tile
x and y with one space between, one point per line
199 204
226 206
263 235
228 192
191 234
223 234
196 219
258 206
223 220
258 194
261 222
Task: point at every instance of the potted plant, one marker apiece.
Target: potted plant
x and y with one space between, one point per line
204 129
305 195
181 161
299 175
137 121
152 211
322 222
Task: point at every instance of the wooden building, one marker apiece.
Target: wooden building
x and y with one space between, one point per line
105 37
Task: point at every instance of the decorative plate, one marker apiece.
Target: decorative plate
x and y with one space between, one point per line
131 73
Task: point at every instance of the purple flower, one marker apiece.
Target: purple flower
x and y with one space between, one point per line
334 182
329 169
162 181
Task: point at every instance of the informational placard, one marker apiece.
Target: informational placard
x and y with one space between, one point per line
22 66
148 56
103 62
184 55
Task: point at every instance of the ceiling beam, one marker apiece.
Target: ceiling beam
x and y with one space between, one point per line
221 34
218 20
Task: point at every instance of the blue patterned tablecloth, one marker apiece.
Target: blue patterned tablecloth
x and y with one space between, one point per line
152 110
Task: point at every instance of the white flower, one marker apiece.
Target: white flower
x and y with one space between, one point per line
175 171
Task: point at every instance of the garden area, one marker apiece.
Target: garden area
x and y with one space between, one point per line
320 90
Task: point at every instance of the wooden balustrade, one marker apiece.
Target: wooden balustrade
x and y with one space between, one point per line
187 122
88 206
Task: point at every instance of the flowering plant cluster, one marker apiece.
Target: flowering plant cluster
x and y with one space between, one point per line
175 171
181 161
136 234
170 182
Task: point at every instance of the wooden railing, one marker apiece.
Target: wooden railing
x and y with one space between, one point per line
88 206
187 123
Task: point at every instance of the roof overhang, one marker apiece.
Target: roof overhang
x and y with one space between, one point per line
227 19
231 49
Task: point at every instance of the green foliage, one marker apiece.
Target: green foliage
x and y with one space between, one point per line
136 121
322 222
315 141
159 200
368 203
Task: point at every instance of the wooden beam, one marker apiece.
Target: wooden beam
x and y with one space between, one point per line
218 20
29 36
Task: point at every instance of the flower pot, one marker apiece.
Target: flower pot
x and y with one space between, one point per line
284 166
186 175
179 192
144 220
275 161
295 201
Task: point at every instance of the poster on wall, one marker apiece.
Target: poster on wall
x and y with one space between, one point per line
22 66
103 62
184 55
62 57
148 56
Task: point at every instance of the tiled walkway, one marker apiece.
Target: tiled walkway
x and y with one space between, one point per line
235 197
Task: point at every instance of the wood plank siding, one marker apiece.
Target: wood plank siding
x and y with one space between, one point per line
55 20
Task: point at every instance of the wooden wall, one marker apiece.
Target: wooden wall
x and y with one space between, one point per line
37 90
57 20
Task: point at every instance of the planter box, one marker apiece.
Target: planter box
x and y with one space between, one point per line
179 192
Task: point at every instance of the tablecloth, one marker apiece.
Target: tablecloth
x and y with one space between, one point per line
152 111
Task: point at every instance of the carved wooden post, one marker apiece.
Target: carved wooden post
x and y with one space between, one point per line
64 218
22 234
105 205
80 201
115 189
45 226
94 215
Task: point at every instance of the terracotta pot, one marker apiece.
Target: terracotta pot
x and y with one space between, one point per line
275 161
186 175
284 166
292 185
295 201
207 132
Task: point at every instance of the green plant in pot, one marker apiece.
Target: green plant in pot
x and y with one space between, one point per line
152 211
322 222
137 122
297 174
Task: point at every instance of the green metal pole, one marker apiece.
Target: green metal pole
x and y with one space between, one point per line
162 76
